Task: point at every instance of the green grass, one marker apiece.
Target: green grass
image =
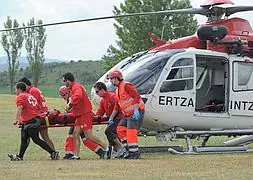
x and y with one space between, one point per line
5 90
47 90
152 166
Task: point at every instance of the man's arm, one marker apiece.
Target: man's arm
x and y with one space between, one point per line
115 110
132 91
101 111
19 110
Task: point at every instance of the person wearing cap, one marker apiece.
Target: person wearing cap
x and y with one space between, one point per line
132 106
81 107
64 92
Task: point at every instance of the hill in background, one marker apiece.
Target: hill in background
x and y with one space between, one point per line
85 72
23 63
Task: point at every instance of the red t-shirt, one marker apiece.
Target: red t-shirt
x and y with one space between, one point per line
30 109
36 93
79 99
107 104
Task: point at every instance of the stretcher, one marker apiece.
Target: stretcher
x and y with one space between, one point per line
55 118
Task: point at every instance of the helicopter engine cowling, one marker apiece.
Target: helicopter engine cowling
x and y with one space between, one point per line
212 33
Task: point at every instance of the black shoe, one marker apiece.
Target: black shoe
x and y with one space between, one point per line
101 152
55 156
15 157
133 155
68 156
109 153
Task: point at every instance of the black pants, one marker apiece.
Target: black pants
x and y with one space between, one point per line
30 130
111 132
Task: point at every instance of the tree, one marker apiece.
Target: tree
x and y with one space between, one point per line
132 31
12 42
35 39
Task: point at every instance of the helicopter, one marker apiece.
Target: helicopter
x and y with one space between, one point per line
200 85
194 86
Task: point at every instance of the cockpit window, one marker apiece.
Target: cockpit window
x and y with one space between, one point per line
131 59
183 62
180 77
150 77
145 70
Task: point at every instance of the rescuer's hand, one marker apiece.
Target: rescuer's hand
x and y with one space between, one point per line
68 108
136 114
110 121
15 122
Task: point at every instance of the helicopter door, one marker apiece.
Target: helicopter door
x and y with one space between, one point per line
174 94
241 102
211 84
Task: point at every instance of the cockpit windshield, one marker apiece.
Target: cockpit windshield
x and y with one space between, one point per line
144 69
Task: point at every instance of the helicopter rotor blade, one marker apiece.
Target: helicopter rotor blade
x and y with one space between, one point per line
201 11
232 10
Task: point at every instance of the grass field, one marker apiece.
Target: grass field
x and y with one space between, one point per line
37 164
47 90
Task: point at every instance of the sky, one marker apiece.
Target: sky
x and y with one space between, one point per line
79 41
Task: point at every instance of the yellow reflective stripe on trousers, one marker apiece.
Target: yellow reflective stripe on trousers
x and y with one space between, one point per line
47 121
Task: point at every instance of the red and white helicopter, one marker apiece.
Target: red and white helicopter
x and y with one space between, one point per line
201 85
195 86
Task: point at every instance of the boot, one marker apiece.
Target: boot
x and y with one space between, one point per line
133 155
101 152
68 155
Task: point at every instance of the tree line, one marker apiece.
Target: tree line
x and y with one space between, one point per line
132 34
12 42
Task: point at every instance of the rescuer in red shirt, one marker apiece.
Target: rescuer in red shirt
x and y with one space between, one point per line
42 107
64 92
132 106
106 106
27 116
81 107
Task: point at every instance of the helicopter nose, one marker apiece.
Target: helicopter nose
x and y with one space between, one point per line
94 97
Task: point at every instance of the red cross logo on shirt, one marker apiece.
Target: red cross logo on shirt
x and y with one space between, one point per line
32 100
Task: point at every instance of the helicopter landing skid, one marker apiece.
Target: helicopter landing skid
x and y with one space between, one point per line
194 150
155 149
212 150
